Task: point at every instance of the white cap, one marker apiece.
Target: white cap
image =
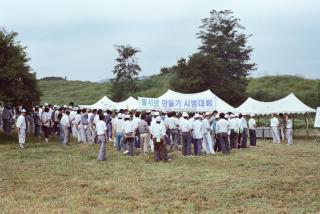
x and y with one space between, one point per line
46 104
236 115
119 115
23 111
207 113
158 119
251 115
217 116
156 113
127 116
196 115
65 106
226 116
231 115
185 114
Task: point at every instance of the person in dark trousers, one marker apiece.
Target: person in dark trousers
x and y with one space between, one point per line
252 130
222 131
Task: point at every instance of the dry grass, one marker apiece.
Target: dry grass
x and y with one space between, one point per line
53 179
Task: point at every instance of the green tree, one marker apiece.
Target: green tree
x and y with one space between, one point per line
222 63
126 71
18 85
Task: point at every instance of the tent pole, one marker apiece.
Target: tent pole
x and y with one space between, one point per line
307 126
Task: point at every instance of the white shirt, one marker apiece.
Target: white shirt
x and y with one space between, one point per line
206 125
72 116
117 124
127 127
252 124
158 130
96 119
135 122
289 124
21 122
45 118
77 119
197 127
222 126
171 122
244 123
65 120
101 127
233 124
185 125
274 122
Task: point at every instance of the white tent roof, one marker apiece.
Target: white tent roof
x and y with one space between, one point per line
130 103
219 104
104 103
289 104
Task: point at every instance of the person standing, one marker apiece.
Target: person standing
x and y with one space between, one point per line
197 127
37 122
128 135
135 122
21 128
222 131
117 127
65 126
244 132
77 122
7 117
172 124
84 127
144 134
252 130
186 129
289 130
102 137
45 121
207 134
158 133
274 123
234 130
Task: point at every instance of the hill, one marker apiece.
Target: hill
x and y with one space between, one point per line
264 88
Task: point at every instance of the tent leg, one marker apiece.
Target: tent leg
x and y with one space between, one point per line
307 126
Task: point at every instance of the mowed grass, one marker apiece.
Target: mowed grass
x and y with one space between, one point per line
50 178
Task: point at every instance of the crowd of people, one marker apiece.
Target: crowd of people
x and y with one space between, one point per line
149 132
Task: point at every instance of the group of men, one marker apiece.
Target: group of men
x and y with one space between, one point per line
149 131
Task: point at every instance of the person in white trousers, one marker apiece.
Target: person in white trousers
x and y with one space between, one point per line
274 124
289 131
21 127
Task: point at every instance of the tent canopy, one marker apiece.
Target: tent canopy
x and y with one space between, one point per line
105 103
289 104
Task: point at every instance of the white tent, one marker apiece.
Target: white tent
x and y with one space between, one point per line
218 104
130 103
104 103
289 104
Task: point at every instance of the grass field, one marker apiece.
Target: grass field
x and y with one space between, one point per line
54 179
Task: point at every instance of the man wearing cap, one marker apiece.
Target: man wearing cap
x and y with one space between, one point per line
128 135
197 127
158 133
289 132
207 134
234 129
252 130
65 127
274 124
102 137
213 123
46 120
21 128
186 129
222 131
117 127
84 127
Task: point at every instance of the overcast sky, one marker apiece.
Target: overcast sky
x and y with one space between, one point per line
76 38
